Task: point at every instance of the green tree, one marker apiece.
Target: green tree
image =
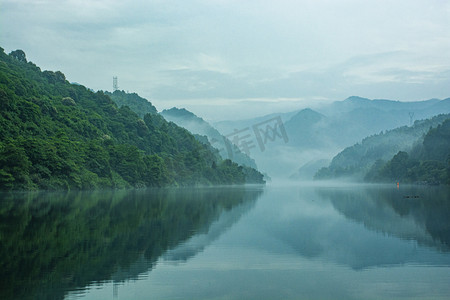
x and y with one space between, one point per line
19 55
14 167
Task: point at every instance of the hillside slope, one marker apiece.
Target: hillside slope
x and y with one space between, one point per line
426 163
57 135
358 161
197 125
139 105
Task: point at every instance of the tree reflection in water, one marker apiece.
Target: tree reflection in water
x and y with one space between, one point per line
52 243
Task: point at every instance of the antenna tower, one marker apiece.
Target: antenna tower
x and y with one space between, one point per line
115 84
411 117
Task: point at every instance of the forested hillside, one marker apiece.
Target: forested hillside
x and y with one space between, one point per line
57 135
384 157
427 163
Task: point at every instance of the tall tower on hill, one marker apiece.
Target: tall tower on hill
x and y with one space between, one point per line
115 84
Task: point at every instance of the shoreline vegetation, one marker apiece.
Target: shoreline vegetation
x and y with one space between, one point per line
55 135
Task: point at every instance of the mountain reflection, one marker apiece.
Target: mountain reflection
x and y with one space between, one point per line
52 243
361 226
414 213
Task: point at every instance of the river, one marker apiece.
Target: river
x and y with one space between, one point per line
250 242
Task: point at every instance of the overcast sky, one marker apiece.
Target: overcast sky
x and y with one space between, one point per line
227 58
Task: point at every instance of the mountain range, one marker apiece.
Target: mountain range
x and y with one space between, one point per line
298 144
314 137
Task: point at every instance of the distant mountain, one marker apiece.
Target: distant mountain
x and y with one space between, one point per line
197 125
314 135
228 126
354 102
358 160
311 167
353 119
343 123
304 129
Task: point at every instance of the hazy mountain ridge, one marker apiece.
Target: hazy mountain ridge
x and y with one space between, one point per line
320 134
355 118
227 126
197 125
354 102
307 126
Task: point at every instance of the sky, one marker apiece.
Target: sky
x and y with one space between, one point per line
226 59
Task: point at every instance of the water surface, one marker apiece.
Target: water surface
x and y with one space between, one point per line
289 242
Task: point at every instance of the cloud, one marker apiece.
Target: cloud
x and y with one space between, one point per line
172 50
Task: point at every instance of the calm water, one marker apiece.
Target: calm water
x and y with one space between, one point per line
290 242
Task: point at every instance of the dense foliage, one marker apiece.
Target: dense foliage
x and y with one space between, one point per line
136 103
57 135
365 159
427 163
